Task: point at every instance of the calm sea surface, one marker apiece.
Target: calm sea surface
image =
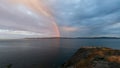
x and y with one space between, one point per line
45 53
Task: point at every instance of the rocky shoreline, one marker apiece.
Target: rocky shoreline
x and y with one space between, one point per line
94 57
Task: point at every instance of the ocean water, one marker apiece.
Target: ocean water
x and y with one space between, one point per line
45 53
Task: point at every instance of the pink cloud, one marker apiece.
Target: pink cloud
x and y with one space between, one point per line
69 29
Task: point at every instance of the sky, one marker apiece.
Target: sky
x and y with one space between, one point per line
59 18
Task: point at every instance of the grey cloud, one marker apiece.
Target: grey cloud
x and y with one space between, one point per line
97 15
19 17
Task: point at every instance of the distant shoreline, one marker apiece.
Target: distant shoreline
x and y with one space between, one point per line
76 38
64 38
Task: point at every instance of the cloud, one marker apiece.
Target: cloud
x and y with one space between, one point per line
69 29
36 5
95 15
73 31
75 17
113 26
18 32
27 15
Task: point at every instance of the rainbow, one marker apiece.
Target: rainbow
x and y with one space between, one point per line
39 7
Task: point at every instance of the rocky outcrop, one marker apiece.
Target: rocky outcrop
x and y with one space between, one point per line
94 57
